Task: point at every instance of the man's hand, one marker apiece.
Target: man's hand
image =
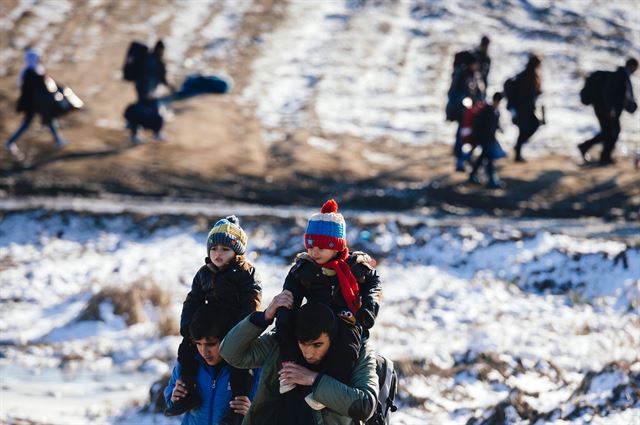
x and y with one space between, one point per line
292 373
179 391
240 404
283 299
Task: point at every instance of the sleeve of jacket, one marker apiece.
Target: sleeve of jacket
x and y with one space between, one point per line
195 298
292 284
175 375
250 293
244 346
358 399
371 295
284 315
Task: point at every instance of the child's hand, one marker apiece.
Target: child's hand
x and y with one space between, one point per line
283 299
179 391
240 404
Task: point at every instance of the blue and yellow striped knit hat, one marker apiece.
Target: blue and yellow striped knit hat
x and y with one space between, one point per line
228 232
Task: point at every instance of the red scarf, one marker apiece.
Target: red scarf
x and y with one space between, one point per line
348 284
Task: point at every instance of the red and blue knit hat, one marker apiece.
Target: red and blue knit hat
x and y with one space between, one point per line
326 229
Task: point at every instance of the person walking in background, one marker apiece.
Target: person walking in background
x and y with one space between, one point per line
482 54
466 90
610 93
153 73
33 91
522 92
147 70
485 126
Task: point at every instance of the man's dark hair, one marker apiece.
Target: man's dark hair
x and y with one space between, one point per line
312 320
484 41
209 321
632 63
497 96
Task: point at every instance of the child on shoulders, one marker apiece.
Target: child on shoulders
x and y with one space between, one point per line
228 283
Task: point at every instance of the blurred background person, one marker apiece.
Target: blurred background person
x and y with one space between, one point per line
485 126
154 73
521 92
610 93
33 94
466 90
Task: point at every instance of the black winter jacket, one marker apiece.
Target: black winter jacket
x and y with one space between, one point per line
236 289
306 280
485 125
32 90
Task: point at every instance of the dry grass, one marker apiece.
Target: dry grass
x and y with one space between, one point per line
129 303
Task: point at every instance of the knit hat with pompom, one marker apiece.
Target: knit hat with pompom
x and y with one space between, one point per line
326 229
228 232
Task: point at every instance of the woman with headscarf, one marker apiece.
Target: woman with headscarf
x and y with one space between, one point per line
32 90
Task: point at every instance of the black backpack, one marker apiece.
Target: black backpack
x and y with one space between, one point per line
133 67
388 384
593 86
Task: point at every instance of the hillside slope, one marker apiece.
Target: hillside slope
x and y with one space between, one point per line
333 99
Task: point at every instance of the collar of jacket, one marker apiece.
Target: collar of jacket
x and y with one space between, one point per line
216 270
215 368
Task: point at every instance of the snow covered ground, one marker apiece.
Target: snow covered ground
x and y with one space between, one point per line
372 69
484 317
381 69
474 310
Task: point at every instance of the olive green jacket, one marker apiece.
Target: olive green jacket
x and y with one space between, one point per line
245 347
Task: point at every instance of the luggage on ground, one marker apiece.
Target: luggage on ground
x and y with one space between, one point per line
145 114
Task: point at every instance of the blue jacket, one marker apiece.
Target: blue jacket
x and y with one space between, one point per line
214 390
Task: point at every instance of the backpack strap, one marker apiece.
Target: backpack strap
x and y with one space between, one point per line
388 378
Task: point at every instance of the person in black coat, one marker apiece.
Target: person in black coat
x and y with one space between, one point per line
615 95
485 125
32 91
146 111
154 73
522 103
482 53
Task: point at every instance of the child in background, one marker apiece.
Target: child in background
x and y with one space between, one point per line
485 125
229 284
345 281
